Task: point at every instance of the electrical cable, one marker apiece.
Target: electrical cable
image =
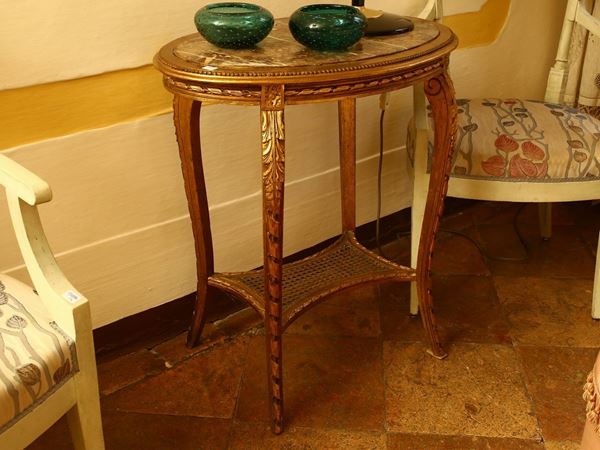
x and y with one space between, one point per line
379 178
480 246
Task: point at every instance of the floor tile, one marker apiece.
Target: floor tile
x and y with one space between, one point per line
361 297
253 436
333 382
442 442
241 322
175 350
466 309
353 312
457 255
555 379
525 213
55 438
589 235
563 445
477 390
329 320
131 431
125 370
564 255
203 386
544 311
453 254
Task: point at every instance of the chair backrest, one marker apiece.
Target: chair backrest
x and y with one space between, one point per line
432 10
576 13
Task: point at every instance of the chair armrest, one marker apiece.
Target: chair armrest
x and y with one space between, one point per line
69 308
23 183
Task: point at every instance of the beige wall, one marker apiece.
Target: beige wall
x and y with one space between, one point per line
119 219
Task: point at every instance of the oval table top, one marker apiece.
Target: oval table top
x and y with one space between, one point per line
195 68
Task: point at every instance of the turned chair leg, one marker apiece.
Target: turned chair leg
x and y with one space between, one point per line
545 215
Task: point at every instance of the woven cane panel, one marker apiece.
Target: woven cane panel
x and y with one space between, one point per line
344 264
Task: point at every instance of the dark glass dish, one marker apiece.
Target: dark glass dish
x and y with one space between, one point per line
234 25
328 27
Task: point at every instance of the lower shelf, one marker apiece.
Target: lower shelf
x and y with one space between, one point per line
344 264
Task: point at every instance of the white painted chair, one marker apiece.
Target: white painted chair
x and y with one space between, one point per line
47 362
515 150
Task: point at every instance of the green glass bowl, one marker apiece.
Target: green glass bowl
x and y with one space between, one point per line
328 27
234 25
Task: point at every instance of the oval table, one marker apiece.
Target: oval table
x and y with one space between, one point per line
277 73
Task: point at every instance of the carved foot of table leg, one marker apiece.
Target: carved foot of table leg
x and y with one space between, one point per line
440 92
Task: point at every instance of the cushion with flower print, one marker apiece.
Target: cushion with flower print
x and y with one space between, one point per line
36 356
521 140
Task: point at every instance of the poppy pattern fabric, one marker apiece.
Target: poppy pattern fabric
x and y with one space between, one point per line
36 356
522 140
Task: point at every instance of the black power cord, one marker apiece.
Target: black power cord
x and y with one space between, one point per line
480 247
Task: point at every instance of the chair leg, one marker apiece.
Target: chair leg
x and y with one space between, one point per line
420 189
85 423
596 294
545 215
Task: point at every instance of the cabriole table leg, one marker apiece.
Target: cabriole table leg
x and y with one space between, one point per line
187 126
440 92
273 173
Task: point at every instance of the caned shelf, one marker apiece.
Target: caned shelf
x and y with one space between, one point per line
344 264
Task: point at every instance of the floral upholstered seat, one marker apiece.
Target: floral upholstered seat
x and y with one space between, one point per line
36 356
520 140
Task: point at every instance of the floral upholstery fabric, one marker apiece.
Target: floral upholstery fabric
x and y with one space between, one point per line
519 140
36 356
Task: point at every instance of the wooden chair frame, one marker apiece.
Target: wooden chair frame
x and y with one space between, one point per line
78 397
490 190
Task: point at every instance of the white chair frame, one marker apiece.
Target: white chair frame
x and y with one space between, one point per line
78 397
490 190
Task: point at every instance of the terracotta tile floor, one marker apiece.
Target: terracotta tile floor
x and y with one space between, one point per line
519 335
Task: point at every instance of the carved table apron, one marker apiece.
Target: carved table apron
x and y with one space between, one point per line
277 73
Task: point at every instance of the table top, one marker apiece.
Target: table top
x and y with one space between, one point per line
194 67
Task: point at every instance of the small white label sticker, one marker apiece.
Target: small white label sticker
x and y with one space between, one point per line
72 296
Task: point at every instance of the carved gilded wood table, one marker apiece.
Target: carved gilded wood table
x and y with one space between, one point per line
277 73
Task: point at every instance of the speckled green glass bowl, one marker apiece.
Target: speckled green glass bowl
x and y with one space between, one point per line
328 27
234 25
